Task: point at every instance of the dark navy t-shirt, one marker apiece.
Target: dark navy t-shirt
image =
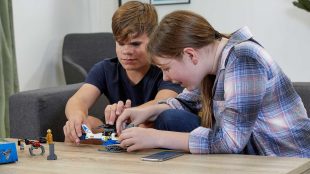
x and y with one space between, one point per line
111 79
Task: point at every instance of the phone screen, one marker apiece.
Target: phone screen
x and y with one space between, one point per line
162 156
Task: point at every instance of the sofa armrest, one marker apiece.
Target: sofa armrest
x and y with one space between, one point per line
33 112
303 89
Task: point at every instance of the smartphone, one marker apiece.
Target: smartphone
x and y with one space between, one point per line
162 156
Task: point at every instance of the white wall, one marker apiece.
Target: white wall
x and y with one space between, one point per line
40 26
280 27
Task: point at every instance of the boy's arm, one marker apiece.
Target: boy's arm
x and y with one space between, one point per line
77 110
161 95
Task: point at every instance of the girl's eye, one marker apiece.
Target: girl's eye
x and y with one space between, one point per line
166 69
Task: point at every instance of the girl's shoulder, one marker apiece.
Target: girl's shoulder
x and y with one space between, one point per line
249 49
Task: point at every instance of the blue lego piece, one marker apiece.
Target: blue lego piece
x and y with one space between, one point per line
83 137
8 152
110 142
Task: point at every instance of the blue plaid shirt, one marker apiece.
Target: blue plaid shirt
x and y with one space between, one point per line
256 109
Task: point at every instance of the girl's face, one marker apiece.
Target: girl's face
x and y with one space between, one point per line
181 71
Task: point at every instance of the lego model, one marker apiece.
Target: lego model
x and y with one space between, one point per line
107 136
49 139
34 144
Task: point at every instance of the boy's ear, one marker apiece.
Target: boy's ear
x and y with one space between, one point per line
192 54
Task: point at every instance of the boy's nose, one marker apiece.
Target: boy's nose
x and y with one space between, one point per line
126 49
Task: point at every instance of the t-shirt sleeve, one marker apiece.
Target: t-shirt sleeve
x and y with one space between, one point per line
96 76
169 85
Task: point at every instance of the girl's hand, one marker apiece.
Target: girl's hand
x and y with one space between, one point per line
138 115
139 138
135 115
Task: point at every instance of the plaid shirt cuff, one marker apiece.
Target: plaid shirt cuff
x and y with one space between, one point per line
199 140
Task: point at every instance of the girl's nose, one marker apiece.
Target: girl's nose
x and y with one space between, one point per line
165 77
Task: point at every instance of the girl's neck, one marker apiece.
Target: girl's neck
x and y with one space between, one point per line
219 46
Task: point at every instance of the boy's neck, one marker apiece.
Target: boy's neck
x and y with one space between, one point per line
135 76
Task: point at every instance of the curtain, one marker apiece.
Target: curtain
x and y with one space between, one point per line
8 71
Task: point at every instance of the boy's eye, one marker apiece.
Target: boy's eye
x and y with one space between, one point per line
135 44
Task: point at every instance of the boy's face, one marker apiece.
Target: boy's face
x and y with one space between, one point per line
132 53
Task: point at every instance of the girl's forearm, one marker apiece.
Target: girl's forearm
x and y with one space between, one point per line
173 140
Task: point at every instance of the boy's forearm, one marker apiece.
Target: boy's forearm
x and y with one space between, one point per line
161 95
74 108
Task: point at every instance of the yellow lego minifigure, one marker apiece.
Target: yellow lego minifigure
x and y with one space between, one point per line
49 137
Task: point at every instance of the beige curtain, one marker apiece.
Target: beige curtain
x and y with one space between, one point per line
8 71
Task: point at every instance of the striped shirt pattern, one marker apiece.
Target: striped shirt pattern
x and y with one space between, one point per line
256 109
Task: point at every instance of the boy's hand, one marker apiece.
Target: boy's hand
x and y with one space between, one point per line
73 130
113 111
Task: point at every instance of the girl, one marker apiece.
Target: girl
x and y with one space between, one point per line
248 105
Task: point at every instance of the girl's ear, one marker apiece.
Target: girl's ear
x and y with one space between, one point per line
192 54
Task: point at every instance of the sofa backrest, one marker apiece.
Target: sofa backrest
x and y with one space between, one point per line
82 50
303 89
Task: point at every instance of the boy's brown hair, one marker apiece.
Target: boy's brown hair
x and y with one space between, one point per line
133 19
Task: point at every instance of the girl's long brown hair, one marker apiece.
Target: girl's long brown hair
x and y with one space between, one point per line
176 31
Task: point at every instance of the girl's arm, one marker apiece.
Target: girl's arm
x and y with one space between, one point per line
141 138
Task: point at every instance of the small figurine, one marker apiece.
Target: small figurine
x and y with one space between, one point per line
49 136
49 139
34 144
21 144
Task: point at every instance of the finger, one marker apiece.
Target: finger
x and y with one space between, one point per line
119 107
112 114
128 142
73 132
65 130
128 103
78 129
120 121
68 137
107 113
125 135
67 127
133 148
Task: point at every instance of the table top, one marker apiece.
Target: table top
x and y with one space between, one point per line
85 158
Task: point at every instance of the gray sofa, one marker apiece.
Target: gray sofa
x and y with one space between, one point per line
33 112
